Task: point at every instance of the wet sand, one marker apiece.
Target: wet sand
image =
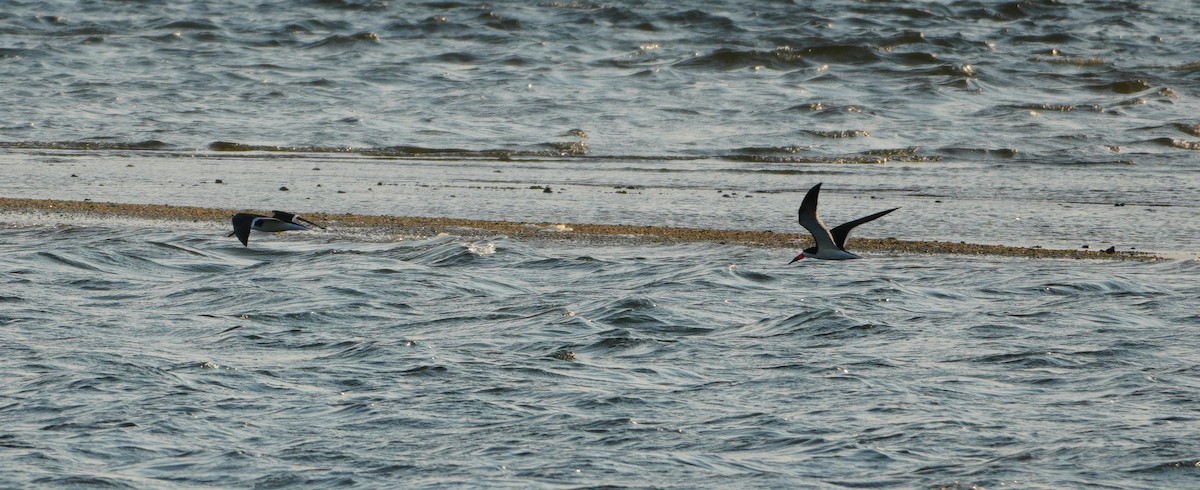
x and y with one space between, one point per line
573 231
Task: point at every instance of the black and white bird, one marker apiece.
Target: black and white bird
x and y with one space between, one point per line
830 244
278 221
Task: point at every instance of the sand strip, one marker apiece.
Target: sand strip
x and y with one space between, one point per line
574 231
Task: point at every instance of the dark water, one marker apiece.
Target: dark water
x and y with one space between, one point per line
1040 82
154 354
140 356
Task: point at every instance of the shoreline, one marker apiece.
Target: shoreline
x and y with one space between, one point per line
518 229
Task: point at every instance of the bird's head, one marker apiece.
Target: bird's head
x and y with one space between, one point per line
808 252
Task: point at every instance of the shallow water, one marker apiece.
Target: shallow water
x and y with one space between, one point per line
1056 207
1056 124
138 356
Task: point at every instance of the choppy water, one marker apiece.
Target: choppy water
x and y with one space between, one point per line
161 354
141 356
1032 81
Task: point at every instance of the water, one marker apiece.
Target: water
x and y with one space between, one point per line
1038 82
152 356
149 353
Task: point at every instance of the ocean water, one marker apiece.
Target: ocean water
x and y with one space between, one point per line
1035 82
149 353
145 356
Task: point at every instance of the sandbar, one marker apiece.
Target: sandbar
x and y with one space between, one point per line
574 231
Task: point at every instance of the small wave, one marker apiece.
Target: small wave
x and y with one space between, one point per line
996 331
1189 67
1059 107
629 345
448 252
191 24
351 5
454 57
987 152
498 22
642 313
314 25
1123 87
1186 466
731 59
88 30
841 54
915 59
566 150
68 261
86 145
339 40
17 53
1019 10
825 109
907 37
1093 61
352 351
1114 287
772 149
753 276
481 248
811 324
876 157
1028 360
700 18
856 133
435 25
573 148
569 149
1190 129
426 370
1057 38
1177 143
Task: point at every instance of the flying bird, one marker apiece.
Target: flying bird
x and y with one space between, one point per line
830 244
278 221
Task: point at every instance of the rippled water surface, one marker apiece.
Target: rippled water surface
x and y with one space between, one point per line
162 354
1039 81
137 355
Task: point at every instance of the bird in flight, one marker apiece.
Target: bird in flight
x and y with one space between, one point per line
278 221
830 244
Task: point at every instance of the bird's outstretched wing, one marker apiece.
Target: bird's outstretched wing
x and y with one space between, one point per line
287 217
812 222
842 232
241 226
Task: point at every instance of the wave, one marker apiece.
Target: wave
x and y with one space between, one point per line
556 149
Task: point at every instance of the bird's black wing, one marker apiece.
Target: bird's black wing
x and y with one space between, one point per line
284 216
241 226
842 232
811 221
292 218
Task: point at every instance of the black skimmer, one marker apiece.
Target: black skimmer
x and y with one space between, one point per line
278 221
830 244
